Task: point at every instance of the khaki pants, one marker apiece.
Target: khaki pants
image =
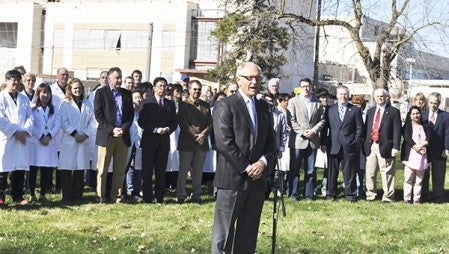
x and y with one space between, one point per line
387 170
118 150
412 184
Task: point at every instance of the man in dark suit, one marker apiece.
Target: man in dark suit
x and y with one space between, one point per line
346 136
157 119
382 144
244 139
114 113
438 148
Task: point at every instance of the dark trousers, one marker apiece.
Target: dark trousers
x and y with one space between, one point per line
154 158
72 183
438 171
3 182
171 179
349 166
17 185
44 171
57 184
236 220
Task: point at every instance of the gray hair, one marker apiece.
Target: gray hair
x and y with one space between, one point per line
384 91
243 65
436 95
273 81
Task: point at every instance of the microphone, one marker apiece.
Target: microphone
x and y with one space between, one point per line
260 96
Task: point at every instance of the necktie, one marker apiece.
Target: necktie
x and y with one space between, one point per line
160 103
342 112
432 118
252 113
375 132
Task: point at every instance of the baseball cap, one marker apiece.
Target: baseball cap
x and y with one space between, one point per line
185 78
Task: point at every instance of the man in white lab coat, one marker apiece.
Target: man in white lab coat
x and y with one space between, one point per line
16 122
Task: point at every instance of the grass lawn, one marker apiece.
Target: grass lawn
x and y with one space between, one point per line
309 227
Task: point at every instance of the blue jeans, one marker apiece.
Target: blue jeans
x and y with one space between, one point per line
134 181
307 155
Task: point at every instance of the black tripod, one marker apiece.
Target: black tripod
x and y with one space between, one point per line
278 184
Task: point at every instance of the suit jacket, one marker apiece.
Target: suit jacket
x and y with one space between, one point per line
301 121
152 116
347 134
408 142
236 143
389 131
439 133
193 120
104 107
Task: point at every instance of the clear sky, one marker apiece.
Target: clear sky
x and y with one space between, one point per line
418 13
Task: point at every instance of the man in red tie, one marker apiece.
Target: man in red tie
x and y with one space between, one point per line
382 143
158 120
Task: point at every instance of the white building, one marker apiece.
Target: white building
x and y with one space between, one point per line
341 63
159 37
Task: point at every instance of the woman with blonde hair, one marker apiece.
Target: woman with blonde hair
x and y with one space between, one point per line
420 101
77 117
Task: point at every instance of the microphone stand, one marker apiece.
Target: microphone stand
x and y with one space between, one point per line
277 184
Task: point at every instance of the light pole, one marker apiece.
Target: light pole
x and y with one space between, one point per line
411 61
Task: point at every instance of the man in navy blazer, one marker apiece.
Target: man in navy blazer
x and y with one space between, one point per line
438 148
244 139
346 136
382 144
114 113
157 119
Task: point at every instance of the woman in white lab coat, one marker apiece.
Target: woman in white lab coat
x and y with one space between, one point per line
76 117
44 149
16 123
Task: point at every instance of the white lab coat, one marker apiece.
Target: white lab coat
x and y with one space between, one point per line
210 163
74 155
173 154
14 117
33 100
40 155
57 96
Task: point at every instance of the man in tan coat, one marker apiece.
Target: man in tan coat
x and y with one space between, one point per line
195 123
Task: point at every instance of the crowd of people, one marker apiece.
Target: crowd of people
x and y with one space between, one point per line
125 130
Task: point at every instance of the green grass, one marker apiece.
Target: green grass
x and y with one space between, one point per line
309 227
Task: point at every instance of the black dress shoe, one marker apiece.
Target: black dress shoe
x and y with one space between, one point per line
330 198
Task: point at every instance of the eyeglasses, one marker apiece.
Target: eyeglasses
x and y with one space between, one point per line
251 78
196 89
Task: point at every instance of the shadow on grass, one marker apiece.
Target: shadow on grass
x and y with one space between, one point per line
89 198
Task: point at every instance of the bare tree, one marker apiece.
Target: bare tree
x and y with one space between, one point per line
400 28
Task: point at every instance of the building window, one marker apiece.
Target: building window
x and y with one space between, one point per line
135 39
168 41
88 39
204 47
8 35
111 39
58 38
